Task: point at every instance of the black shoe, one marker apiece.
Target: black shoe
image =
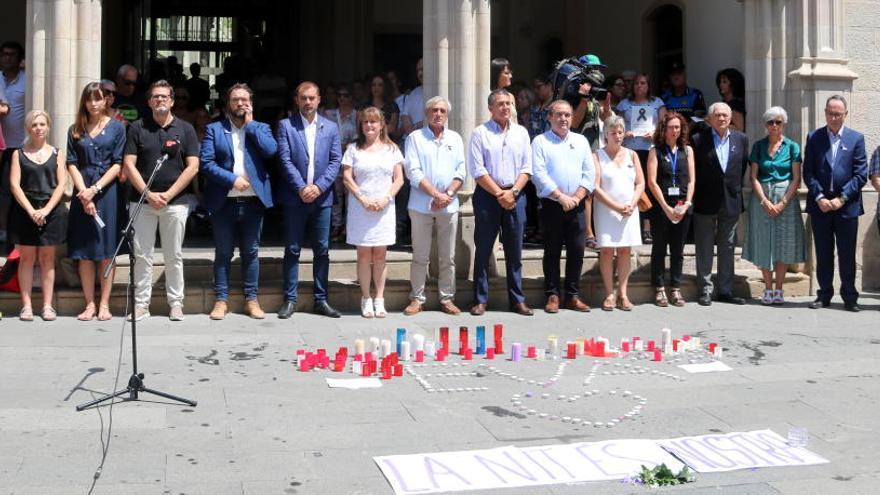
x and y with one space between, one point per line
818 303
287 309
729 299
705 300
322 308
852 307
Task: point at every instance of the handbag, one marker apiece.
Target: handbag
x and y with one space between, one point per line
645 202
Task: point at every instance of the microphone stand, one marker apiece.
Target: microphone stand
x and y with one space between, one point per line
136 381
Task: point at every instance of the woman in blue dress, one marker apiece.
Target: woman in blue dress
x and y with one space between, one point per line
94 157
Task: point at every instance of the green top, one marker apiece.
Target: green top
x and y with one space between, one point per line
775 168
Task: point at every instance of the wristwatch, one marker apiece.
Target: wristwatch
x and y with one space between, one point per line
450 193
515 191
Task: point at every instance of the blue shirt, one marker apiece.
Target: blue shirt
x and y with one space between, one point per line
14 96
722 147
562 163
440 161
501 154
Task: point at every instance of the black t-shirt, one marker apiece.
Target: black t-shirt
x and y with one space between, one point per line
132 107
146 139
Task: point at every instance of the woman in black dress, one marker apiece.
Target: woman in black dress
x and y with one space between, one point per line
37 221
94 156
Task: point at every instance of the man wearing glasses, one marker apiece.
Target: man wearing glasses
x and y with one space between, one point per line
835 170
167 204
129 101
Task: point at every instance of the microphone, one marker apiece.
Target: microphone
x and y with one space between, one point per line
170 148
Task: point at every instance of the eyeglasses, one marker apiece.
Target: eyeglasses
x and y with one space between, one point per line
835 115
160 97
774 122
108 92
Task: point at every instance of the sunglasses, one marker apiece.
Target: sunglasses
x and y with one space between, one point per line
774 122
108 92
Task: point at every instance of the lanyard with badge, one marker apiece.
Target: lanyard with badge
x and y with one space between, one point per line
672 158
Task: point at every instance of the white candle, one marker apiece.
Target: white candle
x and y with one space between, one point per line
404 351
540 354
665 337
357 367
386 348
418 342
374 345
553 346
358 347
719 353
429 348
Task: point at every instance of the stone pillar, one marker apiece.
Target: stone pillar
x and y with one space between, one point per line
63 54
795 57
456 65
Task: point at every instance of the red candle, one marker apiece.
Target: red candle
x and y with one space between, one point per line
675 343
532 352
365 369
589 347
440 355
304 365
322 352
651 345
572 350
499 338
368 356
358 357
490 353
624 346
444 337
468 354
658 355
420 356
712 347
386 373
499 346
398 370
600 349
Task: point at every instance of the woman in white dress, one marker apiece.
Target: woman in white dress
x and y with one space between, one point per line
372 170
619 184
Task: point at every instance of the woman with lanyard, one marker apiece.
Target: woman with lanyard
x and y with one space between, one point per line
671 180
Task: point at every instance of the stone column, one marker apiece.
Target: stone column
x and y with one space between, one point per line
795 57
63 54
456 63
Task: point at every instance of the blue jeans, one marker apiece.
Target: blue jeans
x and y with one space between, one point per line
489 218
314 220
242 222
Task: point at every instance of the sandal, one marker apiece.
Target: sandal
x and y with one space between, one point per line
88 314
49 313
624 304
677 300
660 298
609 302
104 314
26 314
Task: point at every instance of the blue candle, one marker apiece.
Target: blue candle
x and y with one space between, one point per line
401 337
481 339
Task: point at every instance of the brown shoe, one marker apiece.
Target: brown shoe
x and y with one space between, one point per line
522 309
219 311
575 304
449 308
252 308
478 309
552 305
414 307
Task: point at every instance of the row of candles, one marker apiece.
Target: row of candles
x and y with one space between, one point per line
417 347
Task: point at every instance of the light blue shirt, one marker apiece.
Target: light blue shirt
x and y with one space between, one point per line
13 122
440 161
501 154
834 140
722 147
562 163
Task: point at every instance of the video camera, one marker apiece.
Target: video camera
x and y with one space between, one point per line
571 73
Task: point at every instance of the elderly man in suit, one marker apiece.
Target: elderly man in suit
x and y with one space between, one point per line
721 157
835 170
237 193
309 154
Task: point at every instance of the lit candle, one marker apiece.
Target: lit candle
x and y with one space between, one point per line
516 352
418 342
358 346
404 351
401 337
481 339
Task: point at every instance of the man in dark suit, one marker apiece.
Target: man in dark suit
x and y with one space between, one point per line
309 153
237 193
835 169
721 156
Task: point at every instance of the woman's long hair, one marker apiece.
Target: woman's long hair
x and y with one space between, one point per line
660 132
372 114
92 91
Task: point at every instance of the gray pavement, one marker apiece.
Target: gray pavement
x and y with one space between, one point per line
262 428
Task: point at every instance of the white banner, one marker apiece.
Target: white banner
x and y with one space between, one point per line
740 450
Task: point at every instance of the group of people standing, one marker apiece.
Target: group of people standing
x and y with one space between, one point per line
662 172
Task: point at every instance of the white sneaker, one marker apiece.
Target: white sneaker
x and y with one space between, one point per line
778 298
380 308
140 312
367 307
767 299
176 313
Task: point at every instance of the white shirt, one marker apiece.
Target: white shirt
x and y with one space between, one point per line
311 132
238 167
414 106
440 160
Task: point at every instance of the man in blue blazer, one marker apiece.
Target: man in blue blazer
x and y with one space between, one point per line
835 170
237 193
309 153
